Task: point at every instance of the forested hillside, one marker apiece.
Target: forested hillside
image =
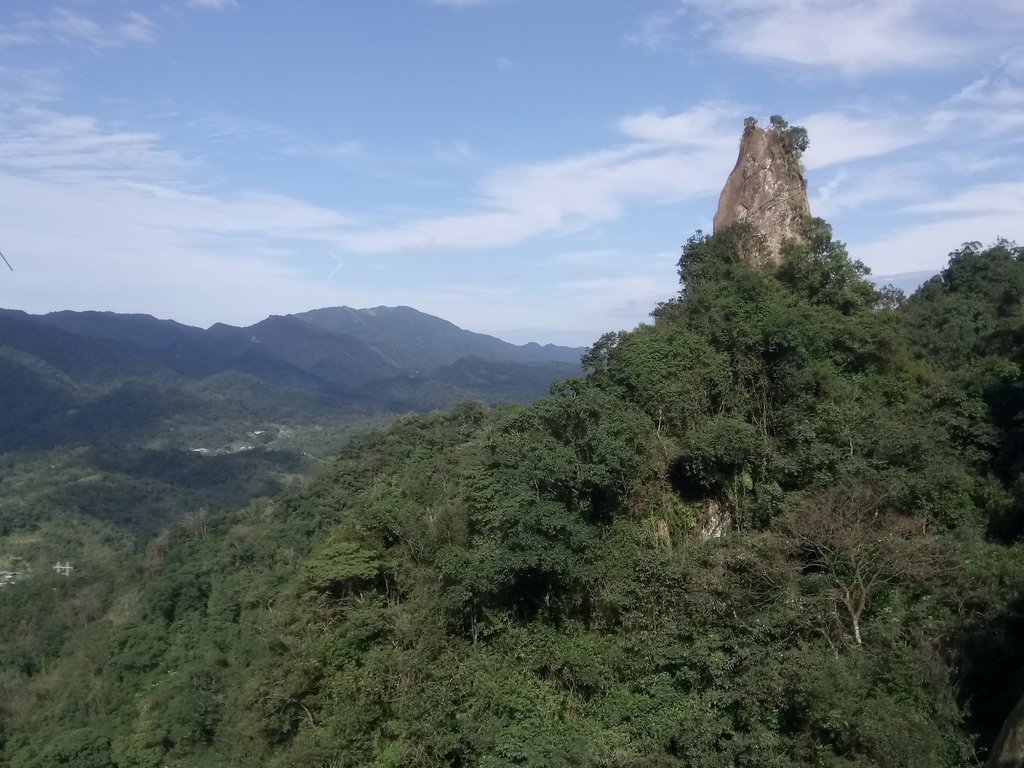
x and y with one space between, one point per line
116 426
778 526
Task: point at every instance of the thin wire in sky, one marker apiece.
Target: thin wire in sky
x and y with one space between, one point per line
6 262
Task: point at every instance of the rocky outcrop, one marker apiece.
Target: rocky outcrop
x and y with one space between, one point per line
712 521
1008 751
766 189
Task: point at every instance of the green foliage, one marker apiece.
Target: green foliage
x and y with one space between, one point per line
820 270
758 533
794 137
969 323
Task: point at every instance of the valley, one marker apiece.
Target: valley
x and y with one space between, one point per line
118 426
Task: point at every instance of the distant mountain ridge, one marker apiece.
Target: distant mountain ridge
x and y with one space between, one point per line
379 340
414 339
62 367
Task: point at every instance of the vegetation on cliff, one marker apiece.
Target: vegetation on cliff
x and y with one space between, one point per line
766 190
775 527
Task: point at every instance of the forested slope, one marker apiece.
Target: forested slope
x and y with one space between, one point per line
115 426
776 527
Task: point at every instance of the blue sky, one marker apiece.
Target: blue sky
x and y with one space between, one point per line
528 168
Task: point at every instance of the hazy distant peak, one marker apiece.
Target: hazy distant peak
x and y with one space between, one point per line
417 341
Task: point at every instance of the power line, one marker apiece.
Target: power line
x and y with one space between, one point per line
6 262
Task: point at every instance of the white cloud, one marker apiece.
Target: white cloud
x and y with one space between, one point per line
657 29
10 36
671 158
997 198
704 125
43 141
22 88
135 28
340 150
200 259
984 213
220 126
854 37
212 5
463 3
858 37
72 27
838 137
454 153
276 138
108 244
849 190
926 246
107 218
992 105
529 200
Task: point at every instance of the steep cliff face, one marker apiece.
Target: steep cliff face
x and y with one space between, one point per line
766 189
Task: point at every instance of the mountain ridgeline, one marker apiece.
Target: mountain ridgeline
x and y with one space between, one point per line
777 527
118 425
61 365
413 339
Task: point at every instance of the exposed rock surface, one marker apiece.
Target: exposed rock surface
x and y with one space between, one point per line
712 520
1008 751
766 189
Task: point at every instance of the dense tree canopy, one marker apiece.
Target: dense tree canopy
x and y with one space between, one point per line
775 527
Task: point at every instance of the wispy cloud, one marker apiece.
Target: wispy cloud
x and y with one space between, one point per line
20 88
849 190
656 30
17 35
666 158
78 189
129 187
836 136
462 3
212 5
341 150
991 105
705 125
72 27
982 212
919 247
995 198
455 153
839 137
530 200
62 146
224 128
854 38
